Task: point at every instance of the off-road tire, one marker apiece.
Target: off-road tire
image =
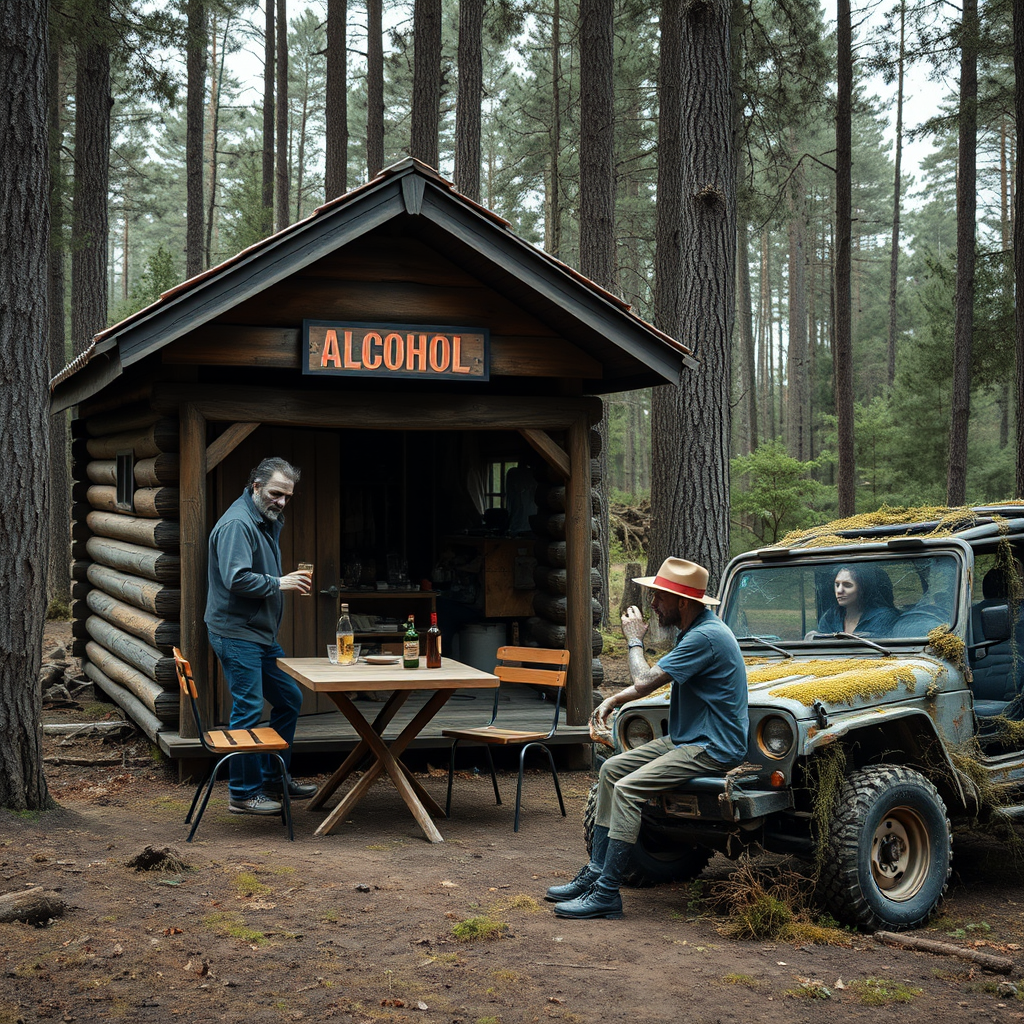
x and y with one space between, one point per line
888 852
651 863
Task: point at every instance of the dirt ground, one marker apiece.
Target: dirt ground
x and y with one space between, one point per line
363 925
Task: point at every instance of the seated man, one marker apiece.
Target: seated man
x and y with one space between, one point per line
707 729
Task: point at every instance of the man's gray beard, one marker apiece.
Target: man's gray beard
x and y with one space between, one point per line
266 508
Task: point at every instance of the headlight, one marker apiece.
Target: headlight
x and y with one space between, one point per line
635 732
775 736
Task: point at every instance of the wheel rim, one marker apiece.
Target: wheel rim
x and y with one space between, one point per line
900 854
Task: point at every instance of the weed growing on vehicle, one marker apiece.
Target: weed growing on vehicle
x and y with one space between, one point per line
475 929
949 647
828 773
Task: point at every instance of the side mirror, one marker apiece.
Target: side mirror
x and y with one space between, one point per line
996 622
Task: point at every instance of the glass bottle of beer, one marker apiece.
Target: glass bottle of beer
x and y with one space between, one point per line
433 643
345 637
411 646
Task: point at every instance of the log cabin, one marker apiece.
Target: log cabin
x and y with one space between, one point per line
437 380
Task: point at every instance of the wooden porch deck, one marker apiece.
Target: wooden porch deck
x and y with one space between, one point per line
520 708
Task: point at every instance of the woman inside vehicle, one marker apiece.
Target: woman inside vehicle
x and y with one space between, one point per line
864 602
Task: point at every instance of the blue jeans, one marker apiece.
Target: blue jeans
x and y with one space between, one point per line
252 675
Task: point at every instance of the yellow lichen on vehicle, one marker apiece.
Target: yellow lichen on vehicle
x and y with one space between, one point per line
840 682
948 646
948 521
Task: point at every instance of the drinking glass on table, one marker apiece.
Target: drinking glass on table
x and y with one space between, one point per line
307 568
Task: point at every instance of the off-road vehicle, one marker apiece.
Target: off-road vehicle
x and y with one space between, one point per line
861 749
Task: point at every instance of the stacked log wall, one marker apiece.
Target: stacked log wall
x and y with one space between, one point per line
550 604
127 567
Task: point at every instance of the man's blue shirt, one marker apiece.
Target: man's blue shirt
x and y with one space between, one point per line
709 689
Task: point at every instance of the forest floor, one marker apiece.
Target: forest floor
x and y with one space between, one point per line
375 924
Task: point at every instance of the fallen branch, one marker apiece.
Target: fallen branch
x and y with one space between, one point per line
991 962
578 967
84 762
34 906
84 728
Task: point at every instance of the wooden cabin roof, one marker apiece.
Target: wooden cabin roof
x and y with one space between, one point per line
630 352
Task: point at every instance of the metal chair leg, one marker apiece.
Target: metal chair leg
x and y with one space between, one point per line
195 799
494 777
286 800
206 796
519 784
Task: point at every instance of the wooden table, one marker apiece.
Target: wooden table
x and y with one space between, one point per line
338 681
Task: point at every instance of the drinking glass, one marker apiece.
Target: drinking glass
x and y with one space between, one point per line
332 653
306 567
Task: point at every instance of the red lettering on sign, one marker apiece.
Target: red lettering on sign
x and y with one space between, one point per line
416 352
394 351
371 350
457 366
440 353
330 352
350 363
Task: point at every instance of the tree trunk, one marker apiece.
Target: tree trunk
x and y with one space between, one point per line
216 82
963 300
552 203
58 575
92 172
267 172
1018 242
24 462
748 375
470 94
374 87
426 81
281 175
697 228
195 47
597 196
336 141
842 349
797 424
894 255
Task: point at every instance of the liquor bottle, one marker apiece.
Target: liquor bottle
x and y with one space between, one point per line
345 637
411 646
433 643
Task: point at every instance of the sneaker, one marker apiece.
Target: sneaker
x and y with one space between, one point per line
258 804
296 790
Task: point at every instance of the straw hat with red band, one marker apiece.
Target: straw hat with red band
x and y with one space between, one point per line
682 578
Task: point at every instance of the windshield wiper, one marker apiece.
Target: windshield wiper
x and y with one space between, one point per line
862 639
768 643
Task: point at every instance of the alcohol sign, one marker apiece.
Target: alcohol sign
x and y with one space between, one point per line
395 350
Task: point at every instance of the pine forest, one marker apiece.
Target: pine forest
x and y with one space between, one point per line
864 317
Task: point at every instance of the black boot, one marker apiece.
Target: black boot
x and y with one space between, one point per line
587 875
603 899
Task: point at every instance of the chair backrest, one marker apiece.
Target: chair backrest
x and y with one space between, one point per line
188 687
534 656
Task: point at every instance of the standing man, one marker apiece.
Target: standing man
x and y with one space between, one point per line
707 729
243 614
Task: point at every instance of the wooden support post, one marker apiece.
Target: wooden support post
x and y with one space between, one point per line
578 622
193 564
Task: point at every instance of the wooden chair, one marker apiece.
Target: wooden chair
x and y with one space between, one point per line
491 734
225 744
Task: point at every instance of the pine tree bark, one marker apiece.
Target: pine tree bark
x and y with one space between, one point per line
697 228
597 197
963 298
469 98
336 141
24 240
195 59
797 423
747 359
267 168
1018 242
281 175
216 84
552 186
842 348
58 575
374 87
426 81
89 287
894 255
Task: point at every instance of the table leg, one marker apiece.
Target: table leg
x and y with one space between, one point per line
349 765
387 760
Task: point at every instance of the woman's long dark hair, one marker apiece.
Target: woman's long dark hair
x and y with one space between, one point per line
873 583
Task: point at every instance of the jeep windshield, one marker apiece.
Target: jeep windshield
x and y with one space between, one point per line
887 598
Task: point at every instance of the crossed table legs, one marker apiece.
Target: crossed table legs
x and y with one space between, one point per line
387 758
